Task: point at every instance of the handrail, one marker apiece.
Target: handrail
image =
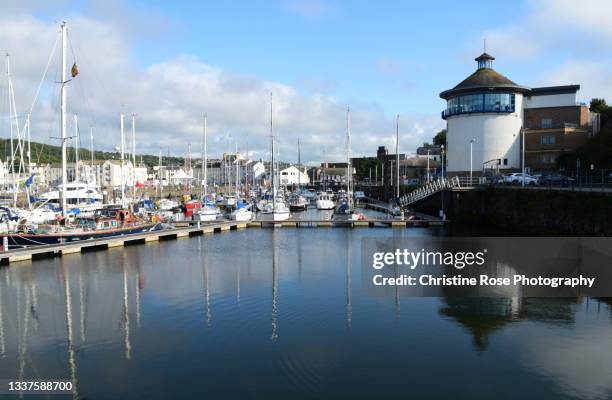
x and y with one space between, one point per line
429 189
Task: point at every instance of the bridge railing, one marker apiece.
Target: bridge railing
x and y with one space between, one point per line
429 189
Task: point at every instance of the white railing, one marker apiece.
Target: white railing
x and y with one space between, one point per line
428 189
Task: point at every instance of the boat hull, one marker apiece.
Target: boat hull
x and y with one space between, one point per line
16 240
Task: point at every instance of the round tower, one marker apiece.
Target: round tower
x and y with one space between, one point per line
486 109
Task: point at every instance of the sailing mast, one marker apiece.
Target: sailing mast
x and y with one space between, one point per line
205 165
122 118
91 151
63 120
349 174
397 168
299 168
272 175
76 148
134 155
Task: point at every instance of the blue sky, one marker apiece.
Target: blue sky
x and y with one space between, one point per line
172 61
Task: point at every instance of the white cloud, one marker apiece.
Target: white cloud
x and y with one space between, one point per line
577 34
170 97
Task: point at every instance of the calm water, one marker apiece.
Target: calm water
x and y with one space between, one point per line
263 313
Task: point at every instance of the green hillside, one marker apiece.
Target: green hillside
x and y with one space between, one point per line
44 153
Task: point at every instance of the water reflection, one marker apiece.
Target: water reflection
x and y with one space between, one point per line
334 332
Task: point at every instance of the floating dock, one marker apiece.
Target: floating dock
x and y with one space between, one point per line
194 228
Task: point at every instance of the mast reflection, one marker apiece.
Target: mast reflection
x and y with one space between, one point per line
68 307
126 311
274 316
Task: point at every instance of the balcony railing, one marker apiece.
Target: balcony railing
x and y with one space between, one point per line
483 108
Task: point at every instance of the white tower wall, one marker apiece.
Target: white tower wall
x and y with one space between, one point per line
496 136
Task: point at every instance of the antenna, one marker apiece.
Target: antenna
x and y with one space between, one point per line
484 45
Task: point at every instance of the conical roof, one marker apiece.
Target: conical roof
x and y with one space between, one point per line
483 78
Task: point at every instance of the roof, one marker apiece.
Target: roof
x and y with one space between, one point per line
484 56
548 90
484 78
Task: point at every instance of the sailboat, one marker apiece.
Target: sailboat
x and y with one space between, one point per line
277 209
106 222
346 206
241 212
209 210
297 202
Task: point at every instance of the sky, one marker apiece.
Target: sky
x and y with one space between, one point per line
172 62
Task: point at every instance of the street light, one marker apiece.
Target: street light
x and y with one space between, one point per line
471 145
442 157
427 165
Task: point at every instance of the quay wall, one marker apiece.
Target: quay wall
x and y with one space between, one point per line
538 212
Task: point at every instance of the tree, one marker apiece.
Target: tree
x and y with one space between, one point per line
598 105
440 138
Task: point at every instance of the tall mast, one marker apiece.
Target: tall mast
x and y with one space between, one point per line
12 164
348 154
29 145
63 120
76 148
134 155
122 118
205 164
299 168
397 157
159 173
237 173
91 152
272 175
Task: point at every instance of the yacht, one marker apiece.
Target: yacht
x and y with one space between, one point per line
241 213
325 202
78 195
297 202
277 209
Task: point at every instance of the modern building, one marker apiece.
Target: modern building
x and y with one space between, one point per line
487 113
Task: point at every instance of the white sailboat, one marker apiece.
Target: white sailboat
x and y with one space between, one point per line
209 211
346 207
241 212
277 209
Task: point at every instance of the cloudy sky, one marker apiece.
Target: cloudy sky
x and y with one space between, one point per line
170 62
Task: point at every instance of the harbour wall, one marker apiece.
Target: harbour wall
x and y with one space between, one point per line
538 212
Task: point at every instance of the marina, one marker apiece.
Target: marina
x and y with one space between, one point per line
296 312
305 199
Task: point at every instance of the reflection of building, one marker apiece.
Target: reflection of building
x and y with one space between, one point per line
484 315
487 112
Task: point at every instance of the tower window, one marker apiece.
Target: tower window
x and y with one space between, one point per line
547 123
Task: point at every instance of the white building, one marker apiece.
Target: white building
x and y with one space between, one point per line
293 176
112 171
486 114
258 170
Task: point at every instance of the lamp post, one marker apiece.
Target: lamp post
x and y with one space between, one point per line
428 165
442 158
471 158
523 156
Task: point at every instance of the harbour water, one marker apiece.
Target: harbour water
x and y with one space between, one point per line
283 313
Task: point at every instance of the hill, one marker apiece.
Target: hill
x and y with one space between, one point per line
44 153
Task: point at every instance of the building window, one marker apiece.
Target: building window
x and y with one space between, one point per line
505 161
548 140
546 123
548 158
